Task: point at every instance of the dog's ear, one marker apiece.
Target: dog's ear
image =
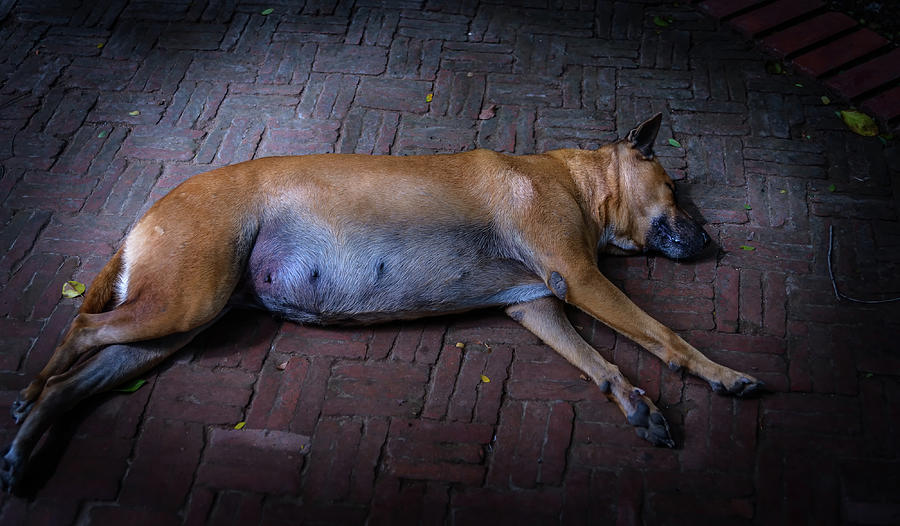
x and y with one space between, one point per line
643 135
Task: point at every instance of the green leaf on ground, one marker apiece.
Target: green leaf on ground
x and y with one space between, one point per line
773 67
72 289
832 188
134 113
660 21
673 142
825 100
132 387
268 11
102 134
860 123
748 207
747 247
240 425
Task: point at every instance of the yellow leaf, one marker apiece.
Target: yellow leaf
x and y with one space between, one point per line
72 289
860 123
134 113
461 345
240 425
485 379
100 45
429 97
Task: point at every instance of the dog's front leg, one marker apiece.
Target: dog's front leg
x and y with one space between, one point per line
546 319
588 289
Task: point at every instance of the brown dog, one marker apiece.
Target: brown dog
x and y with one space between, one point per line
348 238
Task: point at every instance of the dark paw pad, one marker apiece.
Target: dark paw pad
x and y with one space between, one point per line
652 427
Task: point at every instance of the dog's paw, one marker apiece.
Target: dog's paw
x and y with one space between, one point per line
9 472
20 409
650 425
742 387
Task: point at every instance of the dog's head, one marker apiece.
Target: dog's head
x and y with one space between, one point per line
644 214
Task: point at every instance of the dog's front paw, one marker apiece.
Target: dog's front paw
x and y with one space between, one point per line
20 409
745 386
650 424
10 471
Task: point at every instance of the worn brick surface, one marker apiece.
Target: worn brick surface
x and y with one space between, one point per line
466 419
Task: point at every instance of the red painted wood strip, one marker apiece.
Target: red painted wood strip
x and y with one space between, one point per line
874 73
807 33
886 105
723 8
836 54
772 15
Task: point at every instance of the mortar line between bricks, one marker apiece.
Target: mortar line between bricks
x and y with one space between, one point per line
186 502
17 265
433 367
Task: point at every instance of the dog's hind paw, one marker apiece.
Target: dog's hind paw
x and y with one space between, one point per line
744 387
651 425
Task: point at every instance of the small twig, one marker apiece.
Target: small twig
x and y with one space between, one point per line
838 293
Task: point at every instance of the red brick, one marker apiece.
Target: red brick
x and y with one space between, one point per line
155 143
727 299
835 54
807 33
443 378
312 396
723 8
277 392
367 459
236 508
558 436
178 445
885 105
101 515
377 389
771 15
340 58
489 506
201 395
253 460
393 94
468 381
867 76
490 395
293 137
332 458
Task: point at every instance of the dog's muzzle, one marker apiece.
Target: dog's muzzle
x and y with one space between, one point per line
679 238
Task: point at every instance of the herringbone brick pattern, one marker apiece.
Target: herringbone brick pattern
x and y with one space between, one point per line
106 105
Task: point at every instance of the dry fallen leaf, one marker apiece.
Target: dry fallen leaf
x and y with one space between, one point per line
72 289
282 366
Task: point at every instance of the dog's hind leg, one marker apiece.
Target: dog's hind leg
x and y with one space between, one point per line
546 319
107 368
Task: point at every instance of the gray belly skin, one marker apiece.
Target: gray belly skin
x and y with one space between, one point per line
311 273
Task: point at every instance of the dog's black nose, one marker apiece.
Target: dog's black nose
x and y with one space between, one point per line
706 239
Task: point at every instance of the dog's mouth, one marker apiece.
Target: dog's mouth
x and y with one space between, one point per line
678 239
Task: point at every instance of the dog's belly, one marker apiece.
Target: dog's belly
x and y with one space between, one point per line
314 274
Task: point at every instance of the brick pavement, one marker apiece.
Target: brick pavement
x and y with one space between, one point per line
392 424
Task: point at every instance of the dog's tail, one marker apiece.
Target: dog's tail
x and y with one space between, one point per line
101 291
